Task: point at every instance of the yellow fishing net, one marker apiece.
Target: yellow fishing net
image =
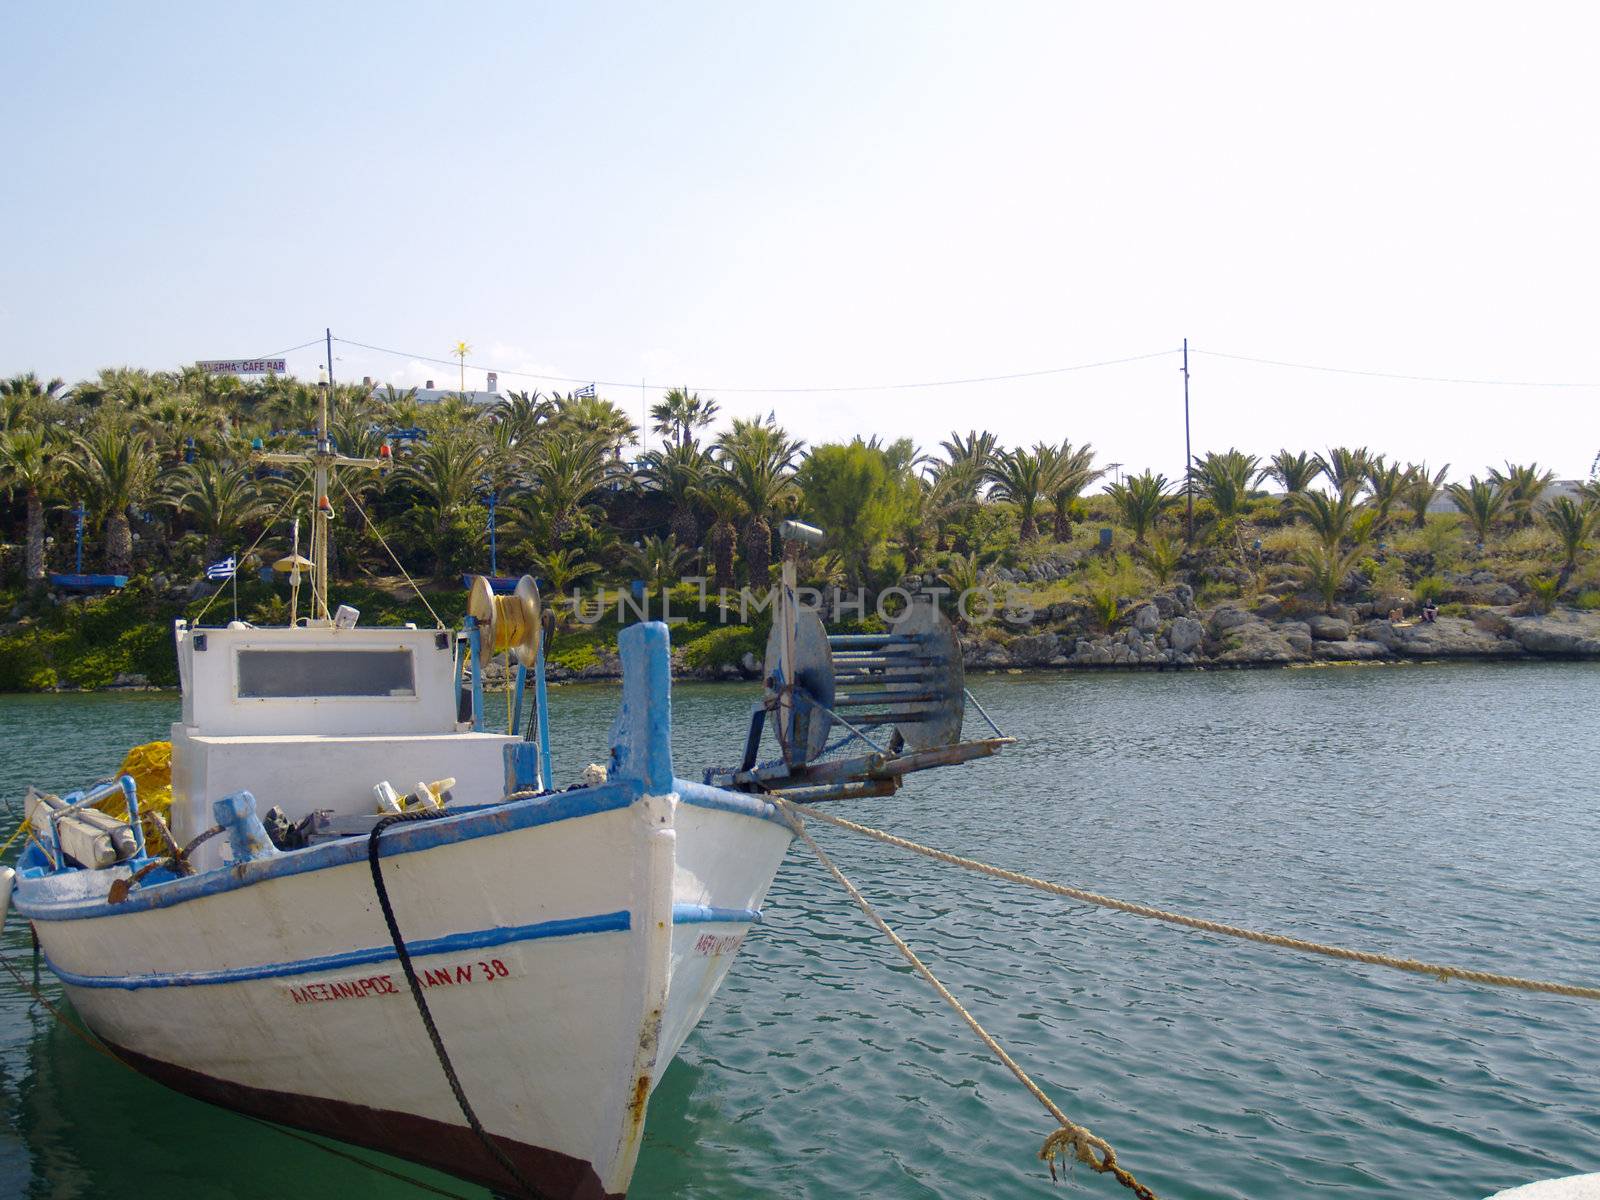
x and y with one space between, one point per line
151 768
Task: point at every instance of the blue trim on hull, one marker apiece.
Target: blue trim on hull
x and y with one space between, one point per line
701 795
403 839
482 939
705 914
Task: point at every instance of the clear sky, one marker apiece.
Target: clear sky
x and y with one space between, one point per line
761 195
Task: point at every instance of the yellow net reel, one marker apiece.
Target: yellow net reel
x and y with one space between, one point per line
508 622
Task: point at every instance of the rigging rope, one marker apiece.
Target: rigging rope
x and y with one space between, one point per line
1439 971
351 497
238 562
1093 1151
99 1047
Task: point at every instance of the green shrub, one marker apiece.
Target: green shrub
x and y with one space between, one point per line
24 666
1430 587
1542 591
724 644
1588 600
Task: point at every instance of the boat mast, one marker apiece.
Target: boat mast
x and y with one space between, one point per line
323 505
324 460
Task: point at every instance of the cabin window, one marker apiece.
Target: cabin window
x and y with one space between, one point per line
297 674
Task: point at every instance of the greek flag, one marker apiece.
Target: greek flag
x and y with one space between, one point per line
221 570
585 392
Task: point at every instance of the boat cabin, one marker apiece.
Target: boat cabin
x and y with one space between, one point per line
315 716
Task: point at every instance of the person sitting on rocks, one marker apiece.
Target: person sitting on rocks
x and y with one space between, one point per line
1430 610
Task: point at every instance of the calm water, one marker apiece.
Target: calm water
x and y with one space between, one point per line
1442 812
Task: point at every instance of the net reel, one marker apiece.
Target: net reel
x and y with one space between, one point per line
507 622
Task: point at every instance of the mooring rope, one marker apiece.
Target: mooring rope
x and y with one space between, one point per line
99 1047
1440 971
1074 1139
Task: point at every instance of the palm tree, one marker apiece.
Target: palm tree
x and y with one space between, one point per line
1068 472
1225 479
1140 500
1482 500
446 472
217 498
1344 466
677 474
523 415
1422 490
657 561
1019 478
24 397
562 568
1293 472
680 413
718 496
29 464
115 465
1522 487
976 448
562 473
757 459
1386 484
593 415
1573 524
1332 518
1327 567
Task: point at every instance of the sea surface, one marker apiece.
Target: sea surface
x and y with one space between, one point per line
1445 812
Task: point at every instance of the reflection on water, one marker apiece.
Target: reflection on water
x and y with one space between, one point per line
1438 811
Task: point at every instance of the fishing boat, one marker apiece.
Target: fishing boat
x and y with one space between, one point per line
485 973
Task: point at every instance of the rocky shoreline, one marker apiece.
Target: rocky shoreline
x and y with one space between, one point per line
1168 632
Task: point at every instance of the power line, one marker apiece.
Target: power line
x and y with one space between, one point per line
316 341
872 387
1274 362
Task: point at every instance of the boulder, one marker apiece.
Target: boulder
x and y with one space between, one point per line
1350 651
1255 642
985 654
1034 650
1183 596
1382 632
1186 634
1565 631
1147 619
1329 629
1227 617
1451 637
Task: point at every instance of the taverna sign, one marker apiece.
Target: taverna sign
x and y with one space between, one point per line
242 366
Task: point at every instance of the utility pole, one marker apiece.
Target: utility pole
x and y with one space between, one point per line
1188 452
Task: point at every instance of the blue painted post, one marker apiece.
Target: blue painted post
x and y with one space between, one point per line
522 768
516 702
247 836
641 738
130 794
475 641
79 513
542 699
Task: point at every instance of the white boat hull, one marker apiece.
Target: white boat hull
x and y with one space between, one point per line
566 944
